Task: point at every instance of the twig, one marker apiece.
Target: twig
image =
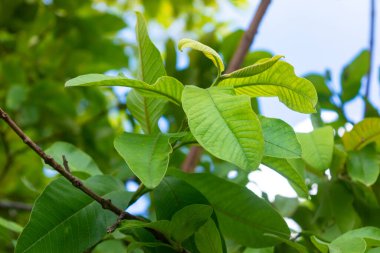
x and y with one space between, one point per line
371 46
15 205
194 155
65 172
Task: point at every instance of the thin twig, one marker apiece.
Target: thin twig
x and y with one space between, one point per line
371 47
65 172
194 155
15 205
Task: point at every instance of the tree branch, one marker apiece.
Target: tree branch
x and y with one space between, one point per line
371 45
194 155
15 205
65 172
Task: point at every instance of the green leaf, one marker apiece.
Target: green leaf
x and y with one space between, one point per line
207 238
287 170
317 147
174 194
147 111
188 220
322 246
225 125
151 65
362 165
10 225
363 133
279 138
242 216
146 155
64 219
352 75
165 87
280 80
207 51
78 161
254 69
299 247
348 245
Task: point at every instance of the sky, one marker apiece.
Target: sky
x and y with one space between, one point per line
313 35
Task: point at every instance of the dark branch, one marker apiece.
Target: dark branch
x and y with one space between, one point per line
15 205
371 45
192 159
65 172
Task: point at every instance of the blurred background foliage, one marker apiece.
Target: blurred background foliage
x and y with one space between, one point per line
45 43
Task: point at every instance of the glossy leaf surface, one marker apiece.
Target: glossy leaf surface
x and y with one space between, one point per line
242 216
151 160
225 125
280 80
64 219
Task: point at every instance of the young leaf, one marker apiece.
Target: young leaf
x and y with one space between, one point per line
279 138
254 69
363 133
362 165
65 219
147 111
317 147
279 80
165 87
242 216
207 238
207 51
283 167
151 160
78 161
224 124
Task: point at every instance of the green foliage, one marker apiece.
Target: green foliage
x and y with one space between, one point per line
204 211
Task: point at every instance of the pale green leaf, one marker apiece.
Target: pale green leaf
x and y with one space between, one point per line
286 169
207 238
165 87
64 219
254 69
362 165
225 125
10 225
207 51
147 111
279 80
279 138
78 161
146 155
363 133
262 250
317 147
242 216
347 245
151 66
322 246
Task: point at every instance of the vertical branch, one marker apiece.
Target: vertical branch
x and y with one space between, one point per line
192 159
371 47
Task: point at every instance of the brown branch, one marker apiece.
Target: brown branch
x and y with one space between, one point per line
15 205
194 155
371 45
65 172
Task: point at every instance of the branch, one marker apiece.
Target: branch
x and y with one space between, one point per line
15 205
65 172
371 45
192 159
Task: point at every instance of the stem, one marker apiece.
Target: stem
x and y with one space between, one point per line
15 205
192 159
371 47
65 172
